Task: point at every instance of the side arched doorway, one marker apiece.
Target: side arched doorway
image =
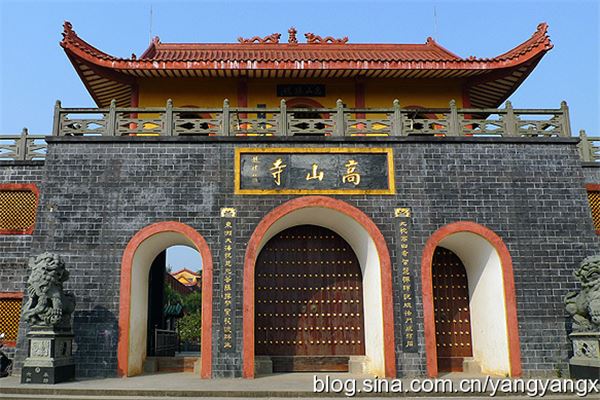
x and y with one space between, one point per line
309 301
452 310
138 257
490 295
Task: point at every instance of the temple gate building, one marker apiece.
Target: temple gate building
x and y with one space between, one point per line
373 208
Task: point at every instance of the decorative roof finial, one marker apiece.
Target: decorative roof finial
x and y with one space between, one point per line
68 29
541 28
68 26
273 38
311 38
292 35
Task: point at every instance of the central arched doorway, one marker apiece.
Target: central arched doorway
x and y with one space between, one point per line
309 311
369 245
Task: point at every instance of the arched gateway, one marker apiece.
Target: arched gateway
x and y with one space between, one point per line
349 229
469 302
137 259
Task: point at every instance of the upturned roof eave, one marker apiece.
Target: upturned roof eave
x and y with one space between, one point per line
539 42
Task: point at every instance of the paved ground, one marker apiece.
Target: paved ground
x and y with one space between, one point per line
168 386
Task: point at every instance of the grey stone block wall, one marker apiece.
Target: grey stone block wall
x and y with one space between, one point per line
591 173
16 248
99 192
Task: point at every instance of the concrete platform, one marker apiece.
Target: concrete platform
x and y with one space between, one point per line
171 386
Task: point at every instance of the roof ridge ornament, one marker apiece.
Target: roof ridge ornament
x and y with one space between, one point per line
273 38
68 29
292 36
311 38
542 28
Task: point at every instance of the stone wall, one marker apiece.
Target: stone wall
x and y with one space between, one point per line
98 192
16 248
591 173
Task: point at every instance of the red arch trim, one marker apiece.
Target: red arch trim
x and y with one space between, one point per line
125 292
384 260
514 348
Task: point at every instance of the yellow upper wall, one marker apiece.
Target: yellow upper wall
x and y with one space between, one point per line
379 93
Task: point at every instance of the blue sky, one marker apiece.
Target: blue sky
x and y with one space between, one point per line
34 70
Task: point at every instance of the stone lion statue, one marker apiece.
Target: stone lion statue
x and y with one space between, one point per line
584 306
48 304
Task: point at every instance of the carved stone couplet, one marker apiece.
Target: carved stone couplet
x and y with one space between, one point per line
408 306
228 283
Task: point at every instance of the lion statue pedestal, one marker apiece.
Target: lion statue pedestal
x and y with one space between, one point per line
48 312
585 363
584 308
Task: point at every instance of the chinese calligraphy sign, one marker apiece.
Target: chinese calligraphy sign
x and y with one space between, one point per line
227 277
407 301
314 171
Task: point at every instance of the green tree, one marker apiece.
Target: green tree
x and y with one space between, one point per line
192 303
188 327
171 296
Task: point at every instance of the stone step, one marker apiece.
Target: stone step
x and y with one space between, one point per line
171 364
217 396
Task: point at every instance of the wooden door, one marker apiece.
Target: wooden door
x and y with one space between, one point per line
451 307
308 291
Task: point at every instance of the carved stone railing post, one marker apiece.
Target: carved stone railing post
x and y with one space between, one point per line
453 122
283 120
586 148
340 129
566 120
56 120
169 118
111 122
226 121
21 146
510 121
397 123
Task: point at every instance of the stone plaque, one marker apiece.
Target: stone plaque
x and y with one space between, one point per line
299 90
314 171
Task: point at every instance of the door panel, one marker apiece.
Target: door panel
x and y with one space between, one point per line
308 295
451 308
